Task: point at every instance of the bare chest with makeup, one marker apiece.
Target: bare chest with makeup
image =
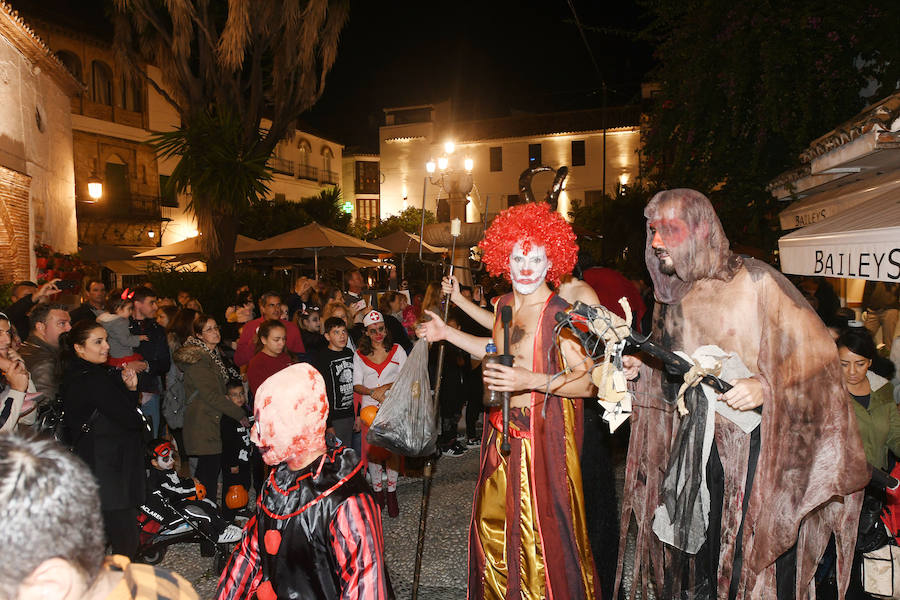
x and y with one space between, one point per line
522 330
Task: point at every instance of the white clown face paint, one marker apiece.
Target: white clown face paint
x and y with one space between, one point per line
528 271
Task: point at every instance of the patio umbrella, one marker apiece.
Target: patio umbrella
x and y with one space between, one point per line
190 249
403 243
314 240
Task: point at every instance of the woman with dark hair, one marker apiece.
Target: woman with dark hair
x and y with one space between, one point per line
270 356
15 382
101 412
873 397
376 365
391 305
205 376
877 417
181 328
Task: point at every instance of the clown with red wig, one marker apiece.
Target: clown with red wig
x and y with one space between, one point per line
527 537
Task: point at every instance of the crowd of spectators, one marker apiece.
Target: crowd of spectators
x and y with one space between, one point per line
122 366
123 360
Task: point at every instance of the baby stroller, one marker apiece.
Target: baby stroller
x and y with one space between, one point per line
192 526
177 511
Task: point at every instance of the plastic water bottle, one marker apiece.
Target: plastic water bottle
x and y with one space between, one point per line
491 398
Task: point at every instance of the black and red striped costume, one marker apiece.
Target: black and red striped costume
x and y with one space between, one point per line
325 519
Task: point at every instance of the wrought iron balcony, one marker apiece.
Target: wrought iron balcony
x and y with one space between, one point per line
281 165
328 177
307 172
124 207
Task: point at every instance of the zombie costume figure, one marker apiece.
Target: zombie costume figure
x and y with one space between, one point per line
317 531
527 537
774 492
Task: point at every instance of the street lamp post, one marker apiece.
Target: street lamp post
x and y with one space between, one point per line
454 176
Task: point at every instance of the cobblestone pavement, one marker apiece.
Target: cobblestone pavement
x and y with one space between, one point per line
443 574
444 560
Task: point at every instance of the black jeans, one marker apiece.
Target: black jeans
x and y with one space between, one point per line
121 528
207 473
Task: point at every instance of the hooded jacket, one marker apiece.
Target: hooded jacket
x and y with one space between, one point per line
205 387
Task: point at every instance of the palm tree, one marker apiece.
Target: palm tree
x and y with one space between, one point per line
225 67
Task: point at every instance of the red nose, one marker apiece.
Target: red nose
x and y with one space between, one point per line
526 272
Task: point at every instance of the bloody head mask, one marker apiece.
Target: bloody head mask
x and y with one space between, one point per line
685 243
529 225
291 407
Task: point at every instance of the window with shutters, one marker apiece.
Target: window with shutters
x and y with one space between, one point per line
578 153
496 159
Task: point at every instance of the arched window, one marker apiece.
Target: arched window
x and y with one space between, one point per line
71 61
305 150
131 95
327 155
101 83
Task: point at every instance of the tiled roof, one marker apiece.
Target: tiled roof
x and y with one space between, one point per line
23 37
544 124
876 117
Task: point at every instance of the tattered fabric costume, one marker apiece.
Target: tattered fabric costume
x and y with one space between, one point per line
778 493
528 538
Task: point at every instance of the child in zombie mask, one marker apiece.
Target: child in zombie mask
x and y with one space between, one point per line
317 533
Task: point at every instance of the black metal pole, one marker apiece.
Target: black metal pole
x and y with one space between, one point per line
428 473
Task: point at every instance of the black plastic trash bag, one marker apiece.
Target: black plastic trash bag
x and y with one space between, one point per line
406 422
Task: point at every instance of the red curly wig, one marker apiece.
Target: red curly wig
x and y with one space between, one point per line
531 223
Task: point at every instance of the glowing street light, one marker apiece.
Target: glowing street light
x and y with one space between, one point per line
442 163
429 166
449 147
469 165
95 187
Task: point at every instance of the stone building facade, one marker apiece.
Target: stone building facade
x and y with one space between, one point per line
37 199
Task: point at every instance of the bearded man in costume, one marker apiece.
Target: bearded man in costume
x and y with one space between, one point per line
773 490
317 532
527 538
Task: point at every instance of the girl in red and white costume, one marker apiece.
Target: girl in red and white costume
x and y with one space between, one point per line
376 365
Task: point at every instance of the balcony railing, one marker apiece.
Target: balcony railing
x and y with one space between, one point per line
133 207
328 177
307 172
281 165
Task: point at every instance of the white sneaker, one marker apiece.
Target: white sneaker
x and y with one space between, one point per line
231 534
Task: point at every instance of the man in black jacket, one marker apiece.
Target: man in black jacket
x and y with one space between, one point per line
155 352
94 302
42 355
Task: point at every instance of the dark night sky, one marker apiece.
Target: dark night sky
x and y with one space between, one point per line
489 56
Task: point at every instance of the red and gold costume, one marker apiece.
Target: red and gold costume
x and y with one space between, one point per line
527 538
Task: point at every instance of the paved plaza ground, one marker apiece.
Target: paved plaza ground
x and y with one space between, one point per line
443 574
444 561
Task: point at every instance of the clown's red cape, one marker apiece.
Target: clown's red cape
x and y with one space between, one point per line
557 499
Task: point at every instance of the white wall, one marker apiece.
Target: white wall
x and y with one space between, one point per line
406 148
46 156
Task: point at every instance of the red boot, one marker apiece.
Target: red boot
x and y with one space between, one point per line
379 498
392 505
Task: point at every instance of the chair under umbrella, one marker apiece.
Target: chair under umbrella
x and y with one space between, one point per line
314 240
